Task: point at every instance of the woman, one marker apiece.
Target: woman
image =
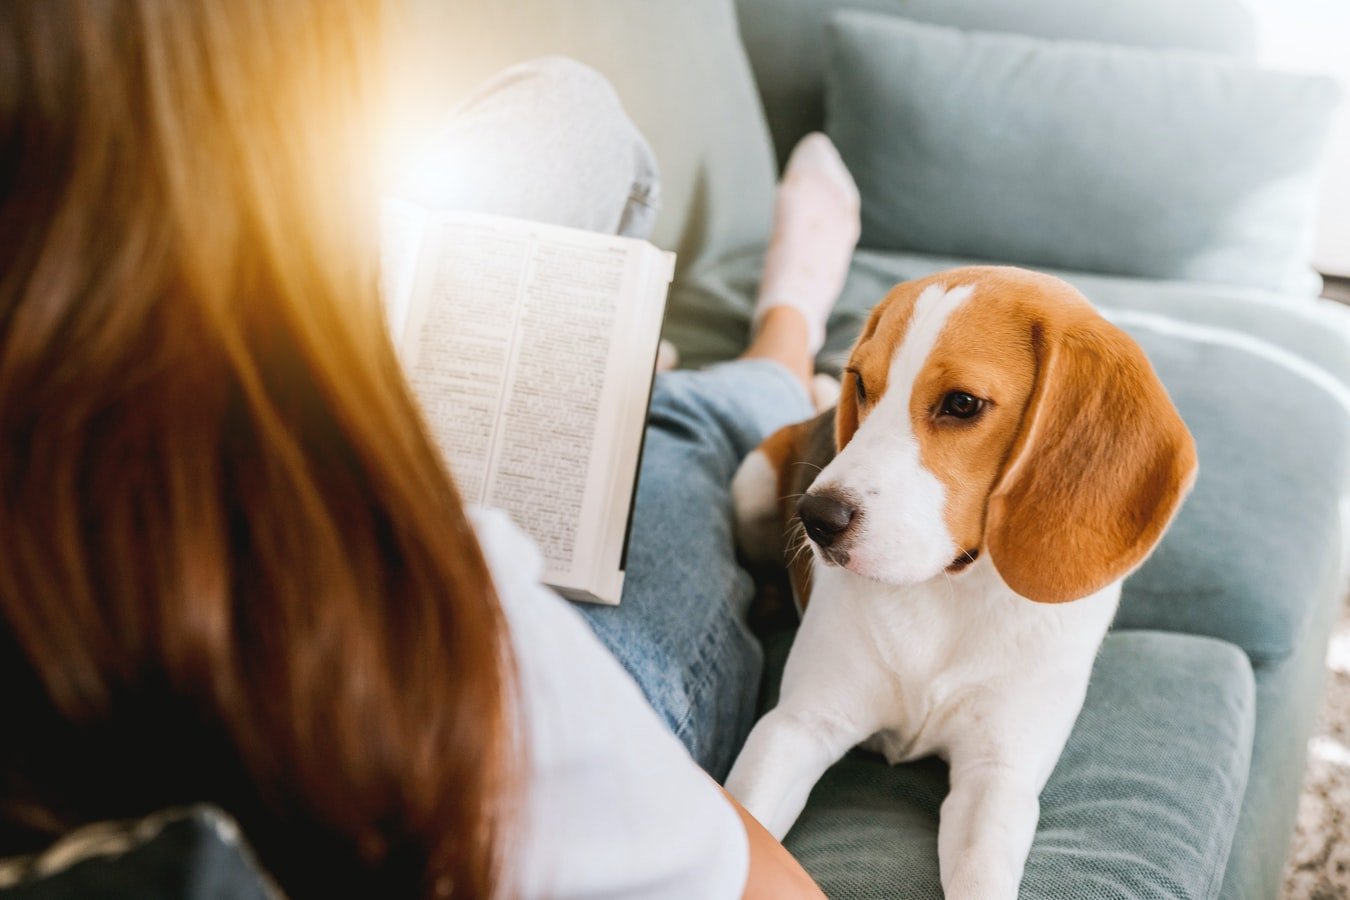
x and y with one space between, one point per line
232 567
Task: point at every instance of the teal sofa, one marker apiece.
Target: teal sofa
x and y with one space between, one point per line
1182 776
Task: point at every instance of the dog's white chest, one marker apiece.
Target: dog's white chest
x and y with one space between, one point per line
947 660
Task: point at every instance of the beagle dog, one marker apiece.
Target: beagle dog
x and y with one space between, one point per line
1001 457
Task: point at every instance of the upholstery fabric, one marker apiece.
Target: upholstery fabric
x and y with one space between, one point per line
1128 161
1142 804
680 71
786 38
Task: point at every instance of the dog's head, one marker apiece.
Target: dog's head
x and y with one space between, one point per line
992 411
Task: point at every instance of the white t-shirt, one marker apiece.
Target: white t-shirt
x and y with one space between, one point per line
614 806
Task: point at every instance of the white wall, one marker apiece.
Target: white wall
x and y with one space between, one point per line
1314 36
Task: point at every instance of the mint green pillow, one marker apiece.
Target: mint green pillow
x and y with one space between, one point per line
1121 160
786 38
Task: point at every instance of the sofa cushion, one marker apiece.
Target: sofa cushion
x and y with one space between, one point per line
1142 804
1129 161
680 71
786 38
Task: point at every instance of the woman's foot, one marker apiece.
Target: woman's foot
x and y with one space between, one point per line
816 227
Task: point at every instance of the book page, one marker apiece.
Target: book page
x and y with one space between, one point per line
462 326
552 413
512 339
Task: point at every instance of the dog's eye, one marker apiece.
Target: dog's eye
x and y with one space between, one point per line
859 388
960 405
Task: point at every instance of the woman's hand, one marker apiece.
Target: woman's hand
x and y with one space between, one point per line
774 873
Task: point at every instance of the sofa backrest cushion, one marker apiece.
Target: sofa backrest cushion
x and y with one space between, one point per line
1121 160
679 69
786 38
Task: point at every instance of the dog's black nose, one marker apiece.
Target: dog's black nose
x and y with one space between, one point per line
824 517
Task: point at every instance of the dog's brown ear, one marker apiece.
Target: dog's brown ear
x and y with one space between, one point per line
1099 467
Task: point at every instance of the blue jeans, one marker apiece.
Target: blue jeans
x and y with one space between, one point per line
680 629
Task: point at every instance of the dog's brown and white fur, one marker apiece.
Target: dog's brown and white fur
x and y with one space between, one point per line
1000 459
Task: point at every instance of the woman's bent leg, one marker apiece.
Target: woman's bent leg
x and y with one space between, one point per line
548 141
680 629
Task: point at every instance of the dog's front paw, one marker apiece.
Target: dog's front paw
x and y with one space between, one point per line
981 879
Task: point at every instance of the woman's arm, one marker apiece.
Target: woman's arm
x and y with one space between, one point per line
774 873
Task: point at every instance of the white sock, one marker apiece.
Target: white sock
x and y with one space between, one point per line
815 228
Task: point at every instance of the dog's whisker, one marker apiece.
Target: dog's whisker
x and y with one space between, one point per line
797 541
803 547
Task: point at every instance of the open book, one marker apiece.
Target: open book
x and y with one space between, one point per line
531 350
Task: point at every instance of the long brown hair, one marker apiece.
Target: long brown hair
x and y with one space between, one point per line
232 565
